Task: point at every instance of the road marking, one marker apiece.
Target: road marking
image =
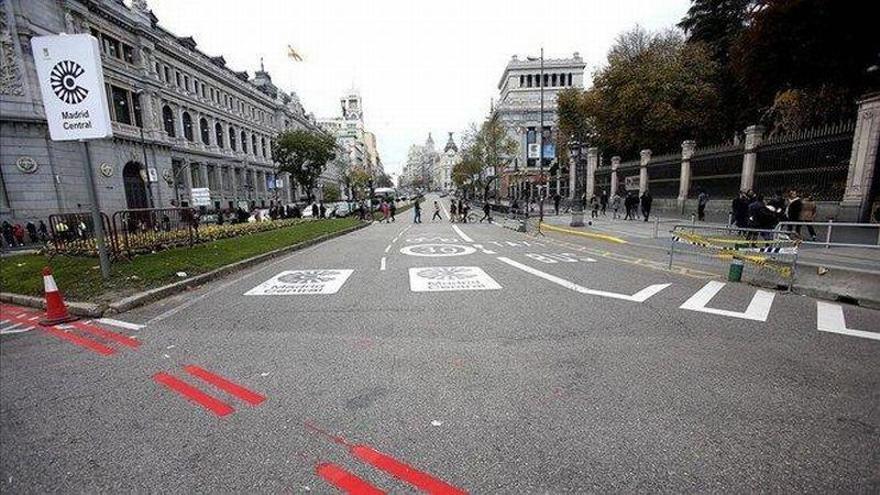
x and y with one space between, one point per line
120 323
758 309
104 333
640 296
437 250
84 342
484 250
552 258
225 385
450 278
382 264
461 234
387 248
16 328
298 282
404 472
209 402
829 318
345 481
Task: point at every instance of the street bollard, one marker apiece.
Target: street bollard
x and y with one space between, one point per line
656 227
736 271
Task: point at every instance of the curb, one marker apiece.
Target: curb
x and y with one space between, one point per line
601 237
127 303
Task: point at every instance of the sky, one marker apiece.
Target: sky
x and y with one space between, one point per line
419 66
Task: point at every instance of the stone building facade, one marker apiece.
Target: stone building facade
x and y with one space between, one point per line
356 143
181 118
443 171
519 108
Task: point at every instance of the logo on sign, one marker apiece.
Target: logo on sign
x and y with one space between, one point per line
63 81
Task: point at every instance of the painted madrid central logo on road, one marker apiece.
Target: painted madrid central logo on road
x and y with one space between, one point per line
300 282
63 81
437 250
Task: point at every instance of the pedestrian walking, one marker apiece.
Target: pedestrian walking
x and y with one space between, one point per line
322 210
487 210
702 201
8 238
603 201
615 206
463 209
32 232
594 207
315 210
556 200
436 215
646 201
18 233
452 211
630 204
392 209
417 216
44 231
385 211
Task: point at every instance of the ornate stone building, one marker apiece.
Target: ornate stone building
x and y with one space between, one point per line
181 118
421 162
443 171
355 142
519 107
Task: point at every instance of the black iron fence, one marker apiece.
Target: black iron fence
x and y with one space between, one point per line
157 228
717 170
74 233
664 176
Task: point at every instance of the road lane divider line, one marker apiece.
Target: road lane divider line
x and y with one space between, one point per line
119 323
483 249
345 481
208 402
830 318
382 264
387 248
464 237
16 328
758 309
104 333
225 385
640 296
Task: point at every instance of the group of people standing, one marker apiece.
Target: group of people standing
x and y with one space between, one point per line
753 211
17 235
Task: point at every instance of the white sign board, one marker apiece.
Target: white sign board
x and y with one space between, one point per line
534 150
631 183
153 174
71 82
450 278
296 282
201 196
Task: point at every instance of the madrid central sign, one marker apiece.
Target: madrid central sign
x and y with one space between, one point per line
71 82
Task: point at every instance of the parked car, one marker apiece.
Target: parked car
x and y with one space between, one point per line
339 209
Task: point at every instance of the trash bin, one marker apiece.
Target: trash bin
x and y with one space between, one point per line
736 271
577 218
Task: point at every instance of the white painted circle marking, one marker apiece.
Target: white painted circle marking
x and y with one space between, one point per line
437 250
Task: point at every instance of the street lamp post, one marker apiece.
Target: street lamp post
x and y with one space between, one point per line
541 152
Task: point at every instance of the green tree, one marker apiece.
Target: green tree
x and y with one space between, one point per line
655 91
383 180
331 193
304 154
575 121
820 48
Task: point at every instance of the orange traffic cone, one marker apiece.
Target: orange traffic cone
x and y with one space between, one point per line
56 310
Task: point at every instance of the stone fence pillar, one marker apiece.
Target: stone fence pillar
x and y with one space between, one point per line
592 164
572 177
687 152
855 205
615 164
643 171
754 137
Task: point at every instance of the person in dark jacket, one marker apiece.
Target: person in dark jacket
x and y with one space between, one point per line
739 209
646 204
32 232
315 211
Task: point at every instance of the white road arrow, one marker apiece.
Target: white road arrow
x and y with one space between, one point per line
758 309
829 318
640 296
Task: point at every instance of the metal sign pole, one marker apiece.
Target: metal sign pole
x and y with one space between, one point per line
97 221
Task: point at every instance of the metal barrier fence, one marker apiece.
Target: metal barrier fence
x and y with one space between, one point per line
158 228
764 257
74 233
836 234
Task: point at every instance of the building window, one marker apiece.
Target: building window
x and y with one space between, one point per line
546 80
121 111
177 78
254 144
195 175
204 131
111 46
158 71
218 134
168 120
263 147
167 72
232 143
128 53
187 126
553 80
569 78
186 82
243 142
136 107
522 80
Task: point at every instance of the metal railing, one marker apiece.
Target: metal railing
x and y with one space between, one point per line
74 233
157 228
849 234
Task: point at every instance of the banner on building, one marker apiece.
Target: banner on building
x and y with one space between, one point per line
534 150
71 81
201 196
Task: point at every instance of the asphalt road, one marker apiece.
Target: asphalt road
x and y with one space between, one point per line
507 365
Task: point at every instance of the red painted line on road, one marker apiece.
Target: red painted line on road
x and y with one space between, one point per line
84 342
79 340
213 404
402 471
345 481
242 393
107 334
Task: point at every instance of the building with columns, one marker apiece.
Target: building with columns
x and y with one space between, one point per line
519 107
182 118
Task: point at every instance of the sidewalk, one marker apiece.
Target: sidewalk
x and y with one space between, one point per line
837 273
